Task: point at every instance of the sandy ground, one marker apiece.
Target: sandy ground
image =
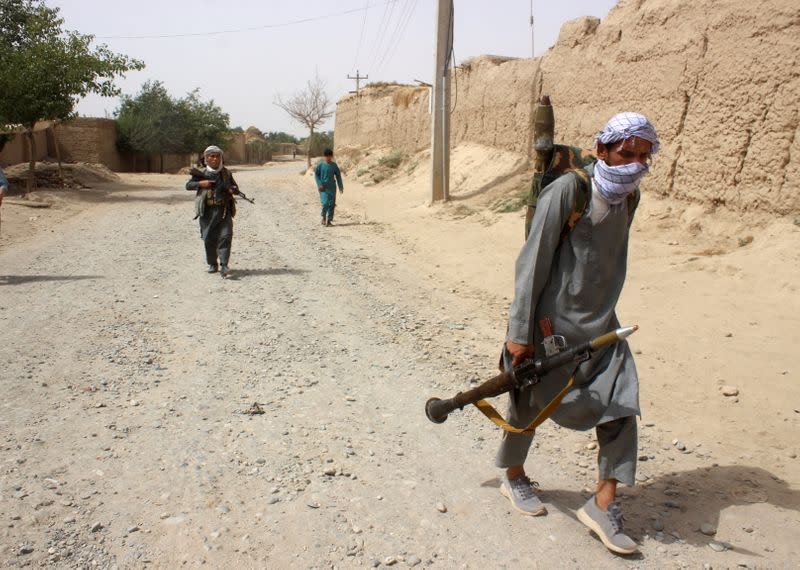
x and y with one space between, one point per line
126 369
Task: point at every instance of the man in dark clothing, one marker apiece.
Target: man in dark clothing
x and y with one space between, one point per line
327 176
215 208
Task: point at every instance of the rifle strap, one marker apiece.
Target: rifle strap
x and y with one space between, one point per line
488 410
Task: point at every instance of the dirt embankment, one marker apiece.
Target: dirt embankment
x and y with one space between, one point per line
719 79
71 175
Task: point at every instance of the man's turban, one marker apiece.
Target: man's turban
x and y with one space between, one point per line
626 125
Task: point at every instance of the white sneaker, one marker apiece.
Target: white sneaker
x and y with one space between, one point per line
521 491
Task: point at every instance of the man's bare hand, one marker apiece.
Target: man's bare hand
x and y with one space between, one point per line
206 183
519 352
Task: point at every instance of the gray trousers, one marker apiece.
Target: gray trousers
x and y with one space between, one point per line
217 234
617 444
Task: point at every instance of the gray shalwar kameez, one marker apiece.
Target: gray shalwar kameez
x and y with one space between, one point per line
576 284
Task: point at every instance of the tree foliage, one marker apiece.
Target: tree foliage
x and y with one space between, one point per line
280 137
150 122
310 107
318 142
205 123
154 122
45 70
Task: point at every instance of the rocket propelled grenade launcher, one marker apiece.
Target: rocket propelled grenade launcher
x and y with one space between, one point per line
526 374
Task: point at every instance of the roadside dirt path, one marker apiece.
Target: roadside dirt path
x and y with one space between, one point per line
126 369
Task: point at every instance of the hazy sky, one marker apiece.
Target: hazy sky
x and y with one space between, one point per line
241 53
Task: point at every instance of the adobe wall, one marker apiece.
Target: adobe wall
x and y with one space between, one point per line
235 148
16 150
88 139
391 116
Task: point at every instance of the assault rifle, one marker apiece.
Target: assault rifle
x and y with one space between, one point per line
526 374
243 196
198 174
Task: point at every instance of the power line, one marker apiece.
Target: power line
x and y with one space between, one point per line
241 30
361 36
400 30
383 28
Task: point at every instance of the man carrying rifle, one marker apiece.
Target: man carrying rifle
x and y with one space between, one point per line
568 281
215 208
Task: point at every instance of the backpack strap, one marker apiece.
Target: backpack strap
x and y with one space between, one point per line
581 201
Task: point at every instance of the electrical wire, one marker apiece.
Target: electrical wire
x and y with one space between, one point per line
383 27
241 30
380 56
452 55
455 77
361 36
398 36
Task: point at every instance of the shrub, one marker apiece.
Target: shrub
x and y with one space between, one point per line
391 160
514 203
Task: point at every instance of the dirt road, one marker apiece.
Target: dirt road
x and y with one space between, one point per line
126 370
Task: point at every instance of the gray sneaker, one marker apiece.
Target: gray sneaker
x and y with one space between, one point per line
522 494
608 526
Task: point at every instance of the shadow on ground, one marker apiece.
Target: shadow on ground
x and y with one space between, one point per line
682 501
21 279
240 273
345 224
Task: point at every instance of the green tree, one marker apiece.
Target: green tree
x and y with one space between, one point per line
281 137
319 142
45 70
154 122
150 122
205 123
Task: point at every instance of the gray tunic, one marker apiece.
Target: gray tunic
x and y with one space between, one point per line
576 284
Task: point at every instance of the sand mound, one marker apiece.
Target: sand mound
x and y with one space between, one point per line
76 175
481 176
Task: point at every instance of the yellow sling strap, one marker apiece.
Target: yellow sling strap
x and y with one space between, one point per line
489 411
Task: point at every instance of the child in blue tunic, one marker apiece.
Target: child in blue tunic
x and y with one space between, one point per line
327 176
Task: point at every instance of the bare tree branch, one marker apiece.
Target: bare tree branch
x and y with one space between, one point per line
310 107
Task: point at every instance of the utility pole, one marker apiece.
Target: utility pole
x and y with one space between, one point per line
358 78
531 28
440 120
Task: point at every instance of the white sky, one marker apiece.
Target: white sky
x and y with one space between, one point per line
390 40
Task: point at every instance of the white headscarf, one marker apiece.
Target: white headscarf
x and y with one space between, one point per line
623 126
615 182
213 149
